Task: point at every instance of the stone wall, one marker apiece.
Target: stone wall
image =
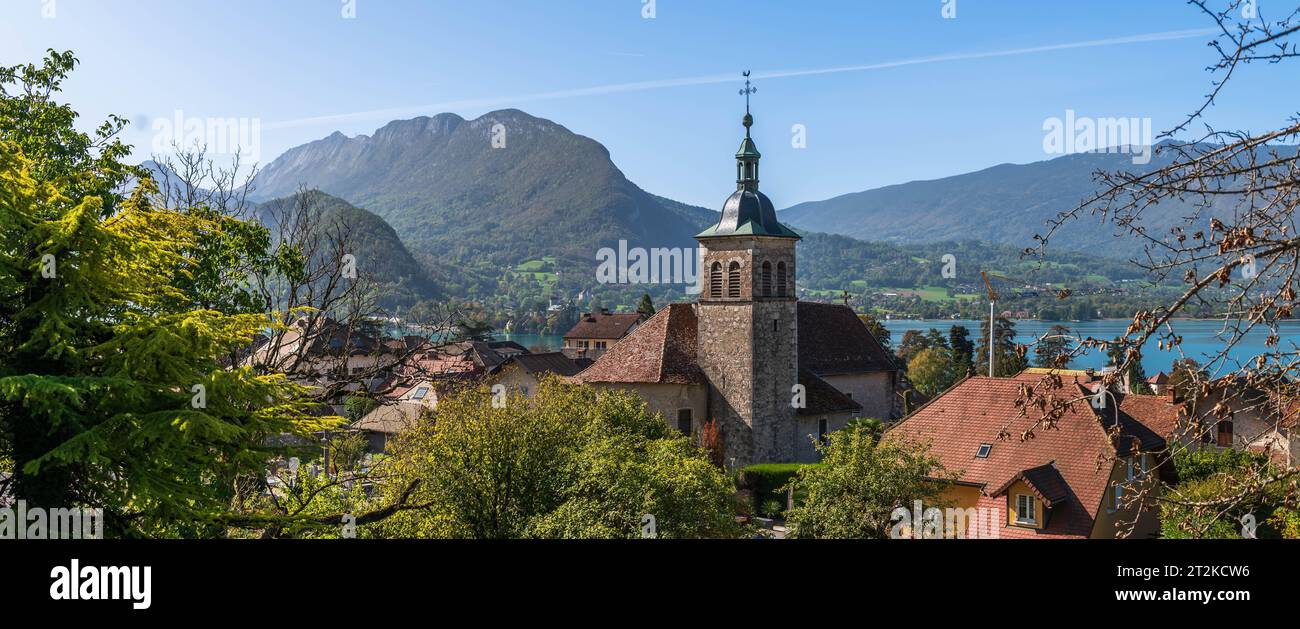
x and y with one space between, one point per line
874 391
667 399
807 430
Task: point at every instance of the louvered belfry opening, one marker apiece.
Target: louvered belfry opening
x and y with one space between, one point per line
733 281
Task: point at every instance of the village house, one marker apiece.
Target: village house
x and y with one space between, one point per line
1094 474
384 423
776 373
1158 383
596 332
1236 416
524 373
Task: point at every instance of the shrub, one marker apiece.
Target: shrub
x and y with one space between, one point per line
767 482
1202 464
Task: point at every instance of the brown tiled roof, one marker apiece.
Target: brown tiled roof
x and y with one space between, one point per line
979 409
1133 435
833 340
552 362
390 419
1155 412
601 325
661 350
1159 378
824 398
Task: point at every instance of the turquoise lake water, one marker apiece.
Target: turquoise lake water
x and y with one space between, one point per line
1200 338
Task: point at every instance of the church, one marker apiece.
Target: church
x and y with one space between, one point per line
776 373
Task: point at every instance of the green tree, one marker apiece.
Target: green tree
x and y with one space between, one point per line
931 371
871 426
565 463
1185 378
963 351
358 406
646 306
1135 373
878 330
914 342
1256 491
112 390
858 484
1008 359
1054 348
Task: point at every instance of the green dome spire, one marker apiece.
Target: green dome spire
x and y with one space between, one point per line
748 211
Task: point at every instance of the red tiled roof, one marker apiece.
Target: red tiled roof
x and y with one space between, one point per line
980 409
601 325
833 340
1155 412
1159 378
661 350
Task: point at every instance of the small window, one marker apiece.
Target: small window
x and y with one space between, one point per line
420 393
823 429
1025 510
1224 439
983 452
1119 497
733 280
601 345
684 421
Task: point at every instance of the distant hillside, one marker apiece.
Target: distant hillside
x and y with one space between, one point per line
453 197
1006 204
378 250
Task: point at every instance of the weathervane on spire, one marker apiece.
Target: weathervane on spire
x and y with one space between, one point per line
749 89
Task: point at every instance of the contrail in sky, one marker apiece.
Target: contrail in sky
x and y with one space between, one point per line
617 88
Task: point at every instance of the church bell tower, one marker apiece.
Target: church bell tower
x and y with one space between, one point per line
748 328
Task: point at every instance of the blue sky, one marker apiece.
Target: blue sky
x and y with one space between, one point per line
663 99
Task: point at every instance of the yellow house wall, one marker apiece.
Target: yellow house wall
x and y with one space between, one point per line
1017 489
1107 524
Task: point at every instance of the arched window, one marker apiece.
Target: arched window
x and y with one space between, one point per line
715 280
781 282
767 279
733 280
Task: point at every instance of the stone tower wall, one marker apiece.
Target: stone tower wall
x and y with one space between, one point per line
748 349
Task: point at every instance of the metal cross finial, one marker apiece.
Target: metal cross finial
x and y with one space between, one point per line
749 89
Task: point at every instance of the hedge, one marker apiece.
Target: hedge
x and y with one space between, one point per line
766 480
